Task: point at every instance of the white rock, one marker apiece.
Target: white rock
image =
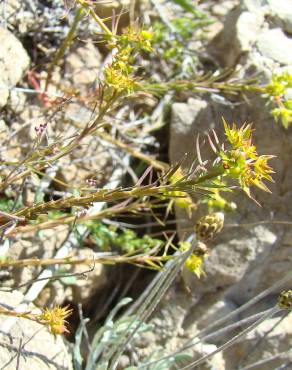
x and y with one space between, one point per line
276 45
13 63
247 28
83 66
217 311
215 362
282 10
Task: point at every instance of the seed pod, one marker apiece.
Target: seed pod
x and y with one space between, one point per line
208 226
285 300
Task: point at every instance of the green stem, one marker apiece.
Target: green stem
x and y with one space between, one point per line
98 20
64 45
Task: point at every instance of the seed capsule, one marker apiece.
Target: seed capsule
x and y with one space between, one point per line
208 226
285 300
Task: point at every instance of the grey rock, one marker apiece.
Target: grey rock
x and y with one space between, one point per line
274 44
247 258
14 61
282 11
272 338
216 311
83 67
182 134
247 29
223 8
215 362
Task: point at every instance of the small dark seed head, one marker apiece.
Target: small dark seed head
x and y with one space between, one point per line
209 225
285 300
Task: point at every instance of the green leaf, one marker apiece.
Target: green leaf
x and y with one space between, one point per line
185 4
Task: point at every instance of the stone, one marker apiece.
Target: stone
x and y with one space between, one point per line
14 61
42 245
83 67
182 134
247 28
85 288
29 342
214 312
274 44
281 10
270 338
223 8
246 257
215 362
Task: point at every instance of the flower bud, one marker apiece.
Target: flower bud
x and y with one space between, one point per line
208 226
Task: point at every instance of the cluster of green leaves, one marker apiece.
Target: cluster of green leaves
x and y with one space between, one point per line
108 237
105 337
10 204
6 204
278 91
171 41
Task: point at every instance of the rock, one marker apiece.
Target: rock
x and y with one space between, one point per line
206 313
182 134
282 11
29 342
246 26
226 49
215 362
248 258
34 246
83 67
269 339
256 255
274 44
13 63
223 8
84 290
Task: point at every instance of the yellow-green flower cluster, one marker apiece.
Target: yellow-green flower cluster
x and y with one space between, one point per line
119 74
194 264
279 84
276 91
55 319
242 162
137 39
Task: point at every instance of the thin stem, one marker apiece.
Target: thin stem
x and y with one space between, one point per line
97 19
109 260
64 45
233 340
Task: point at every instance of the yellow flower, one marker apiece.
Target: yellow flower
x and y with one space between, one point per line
242 162
118 80
195 260
138 39
55 319
238 138
194 264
